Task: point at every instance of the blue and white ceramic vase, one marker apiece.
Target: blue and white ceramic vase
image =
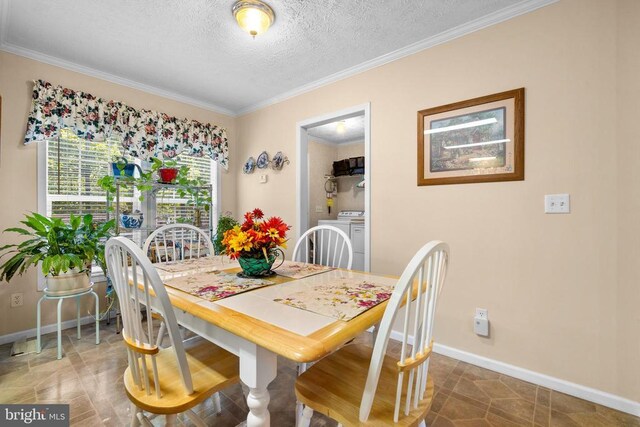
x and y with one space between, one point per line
131 220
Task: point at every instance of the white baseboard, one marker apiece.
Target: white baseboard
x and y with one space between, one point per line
592 395
29 333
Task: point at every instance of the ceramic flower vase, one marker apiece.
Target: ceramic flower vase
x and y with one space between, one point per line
259 266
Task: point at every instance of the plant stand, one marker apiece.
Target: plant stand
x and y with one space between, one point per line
61 298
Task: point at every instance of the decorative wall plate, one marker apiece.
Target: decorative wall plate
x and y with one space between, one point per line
263 160
278 161
249 166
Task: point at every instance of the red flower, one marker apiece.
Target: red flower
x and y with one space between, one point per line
257 213
275 223
248 221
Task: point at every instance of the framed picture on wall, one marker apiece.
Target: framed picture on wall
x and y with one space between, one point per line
478 140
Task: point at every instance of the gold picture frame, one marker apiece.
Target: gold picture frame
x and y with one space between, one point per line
477 140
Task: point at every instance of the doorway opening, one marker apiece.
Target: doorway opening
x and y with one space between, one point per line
333 171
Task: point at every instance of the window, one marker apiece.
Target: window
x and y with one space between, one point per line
74 165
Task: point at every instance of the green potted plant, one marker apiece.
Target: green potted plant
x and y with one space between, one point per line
64 250
168 172
143 183
120 166
192 189
225 223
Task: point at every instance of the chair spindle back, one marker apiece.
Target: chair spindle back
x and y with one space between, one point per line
324 245
174 242
419 288
127 266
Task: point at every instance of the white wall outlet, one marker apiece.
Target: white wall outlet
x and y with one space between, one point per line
557 204
17 299
481 322
263 179
319 209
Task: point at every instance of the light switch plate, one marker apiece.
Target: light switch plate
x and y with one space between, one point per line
557 204
319 209
263 179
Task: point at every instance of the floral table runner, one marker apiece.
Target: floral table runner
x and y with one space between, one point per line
215 285
344 299
203 264
300 270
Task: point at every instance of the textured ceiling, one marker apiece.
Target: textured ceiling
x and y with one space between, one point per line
194 49
353 131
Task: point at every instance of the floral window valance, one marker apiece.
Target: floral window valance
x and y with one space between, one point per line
144 133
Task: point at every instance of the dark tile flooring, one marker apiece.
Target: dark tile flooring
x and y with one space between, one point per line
89 378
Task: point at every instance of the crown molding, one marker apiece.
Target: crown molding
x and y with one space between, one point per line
521 8
47 59
72 66
451 34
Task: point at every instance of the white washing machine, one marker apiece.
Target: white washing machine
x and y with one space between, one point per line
352 223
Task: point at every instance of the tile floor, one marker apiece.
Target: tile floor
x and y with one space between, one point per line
89 378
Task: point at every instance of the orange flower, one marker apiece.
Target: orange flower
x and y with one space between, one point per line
255 236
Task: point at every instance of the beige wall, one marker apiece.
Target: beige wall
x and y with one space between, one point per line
628 166
550 282
18 191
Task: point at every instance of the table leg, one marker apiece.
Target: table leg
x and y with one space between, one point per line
60 328
78 317
258 367
302 367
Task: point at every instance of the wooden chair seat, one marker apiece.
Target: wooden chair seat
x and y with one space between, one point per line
334 387
212 369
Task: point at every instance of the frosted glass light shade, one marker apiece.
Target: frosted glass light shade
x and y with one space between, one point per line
253 16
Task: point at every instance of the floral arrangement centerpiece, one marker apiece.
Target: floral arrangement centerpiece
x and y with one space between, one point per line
256 243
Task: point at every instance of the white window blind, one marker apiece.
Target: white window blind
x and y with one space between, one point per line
74 166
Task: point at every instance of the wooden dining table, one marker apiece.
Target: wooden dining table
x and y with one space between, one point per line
257 329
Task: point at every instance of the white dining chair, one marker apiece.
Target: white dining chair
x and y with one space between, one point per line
324 245
161 381
358 385
173 242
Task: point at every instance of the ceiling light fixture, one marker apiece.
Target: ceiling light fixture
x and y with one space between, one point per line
341 126
253 16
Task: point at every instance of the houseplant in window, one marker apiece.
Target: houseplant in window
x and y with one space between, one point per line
122 167
225 223
143 183
64 250
191 187
256 243
168 172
